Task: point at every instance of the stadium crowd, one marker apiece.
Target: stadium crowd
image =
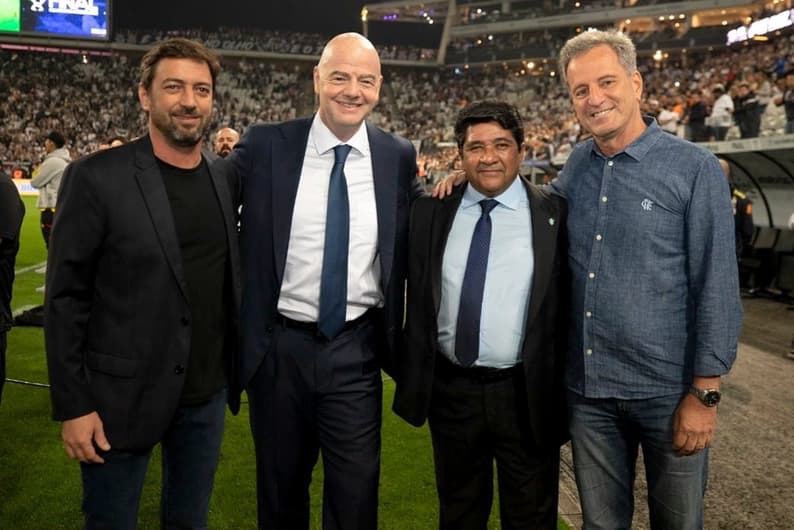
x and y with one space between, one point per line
92 98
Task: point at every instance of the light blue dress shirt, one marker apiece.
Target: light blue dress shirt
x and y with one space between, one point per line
508 280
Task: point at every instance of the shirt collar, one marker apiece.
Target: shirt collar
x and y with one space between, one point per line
511 197
325 140
639 147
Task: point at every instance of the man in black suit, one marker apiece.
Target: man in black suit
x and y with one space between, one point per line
484 347
142 291
323 242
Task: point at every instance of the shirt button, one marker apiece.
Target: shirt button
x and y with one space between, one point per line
184 321
589 351
610 163
589 314
179 369
591 275
598 237
604 198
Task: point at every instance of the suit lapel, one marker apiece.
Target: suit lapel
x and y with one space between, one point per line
150 181
443 214
385 164
286 159
545 223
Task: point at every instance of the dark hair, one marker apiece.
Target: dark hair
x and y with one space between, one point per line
500 112
56 138
177 48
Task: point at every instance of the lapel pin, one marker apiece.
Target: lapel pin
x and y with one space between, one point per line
551 221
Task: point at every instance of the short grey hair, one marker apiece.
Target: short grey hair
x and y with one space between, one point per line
584 42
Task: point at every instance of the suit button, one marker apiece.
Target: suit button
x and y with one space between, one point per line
269 329
185 321
179 369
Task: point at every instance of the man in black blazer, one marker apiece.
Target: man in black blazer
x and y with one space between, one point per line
483 362
315 387
142 290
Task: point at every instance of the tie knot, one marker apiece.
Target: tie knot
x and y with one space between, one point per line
340 153
487 205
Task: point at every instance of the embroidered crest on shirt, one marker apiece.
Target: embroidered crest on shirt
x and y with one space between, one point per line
647 205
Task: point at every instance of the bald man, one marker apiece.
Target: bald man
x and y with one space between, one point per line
324 237
225 140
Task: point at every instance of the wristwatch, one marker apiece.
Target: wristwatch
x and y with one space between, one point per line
708 396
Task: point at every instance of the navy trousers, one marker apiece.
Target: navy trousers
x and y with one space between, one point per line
313 396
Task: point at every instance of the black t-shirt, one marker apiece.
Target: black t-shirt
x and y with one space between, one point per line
12 210
202 239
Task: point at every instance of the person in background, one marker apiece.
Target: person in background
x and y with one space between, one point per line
655 308
742 213
225 140
747 111
721 116
786 99
47 179
12 211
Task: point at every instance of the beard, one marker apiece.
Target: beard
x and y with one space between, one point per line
179 135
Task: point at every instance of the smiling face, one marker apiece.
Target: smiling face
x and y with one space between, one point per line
347 81
179 102
490 157
606 98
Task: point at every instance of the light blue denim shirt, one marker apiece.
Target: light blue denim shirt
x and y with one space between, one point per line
511 264
655 294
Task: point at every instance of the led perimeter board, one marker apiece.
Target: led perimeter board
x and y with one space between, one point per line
81 19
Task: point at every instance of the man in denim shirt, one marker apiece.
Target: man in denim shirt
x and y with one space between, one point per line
656 311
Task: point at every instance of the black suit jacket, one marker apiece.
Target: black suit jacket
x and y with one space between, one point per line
543 349
117 320
269 159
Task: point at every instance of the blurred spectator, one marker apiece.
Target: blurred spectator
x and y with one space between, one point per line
747 111
787 100
721 116
225 139
47 179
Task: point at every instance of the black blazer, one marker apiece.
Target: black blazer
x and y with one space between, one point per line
269 159
117 320
543 350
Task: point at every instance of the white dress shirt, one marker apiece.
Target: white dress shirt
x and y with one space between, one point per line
511 265
300 289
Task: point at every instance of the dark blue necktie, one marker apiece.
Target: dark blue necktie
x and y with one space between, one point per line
467 331
333 283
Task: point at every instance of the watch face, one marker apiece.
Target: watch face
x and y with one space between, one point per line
711 398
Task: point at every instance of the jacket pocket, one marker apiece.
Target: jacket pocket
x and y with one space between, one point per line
112 365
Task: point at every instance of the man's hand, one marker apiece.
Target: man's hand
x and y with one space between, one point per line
81 434
444 187
694 425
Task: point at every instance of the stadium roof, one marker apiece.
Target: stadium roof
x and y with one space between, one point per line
327 17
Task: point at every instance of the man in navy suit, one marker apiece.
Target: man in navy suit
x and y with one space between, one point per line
313 387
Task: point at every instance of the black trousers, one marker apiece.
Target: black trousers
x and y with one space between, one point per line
47 215
474 423
309 396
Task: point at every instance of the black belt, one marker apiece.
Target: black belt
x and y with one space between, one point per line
311 327
479 374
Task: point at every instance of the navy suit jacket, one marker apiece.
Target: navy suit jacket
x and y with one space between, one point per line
268 160
117 319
